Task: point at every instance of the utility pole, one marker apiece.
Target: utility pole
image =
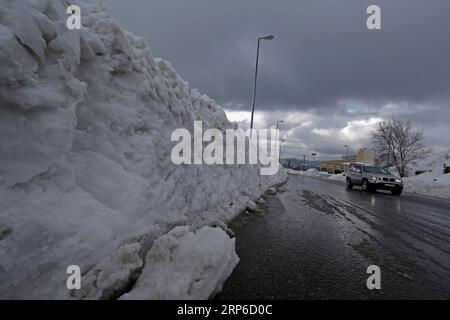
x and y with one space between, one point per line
346 160
281 147
304 161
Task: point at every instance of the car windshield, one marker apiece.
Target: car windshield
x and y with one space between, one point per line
375 170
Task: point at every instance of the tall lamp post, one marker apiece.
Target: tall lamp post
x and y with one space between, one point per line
346 159
270 37
283 140
278 123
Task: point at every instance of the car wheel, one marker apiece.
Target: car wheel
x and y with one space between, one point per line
349 184
365 186
396 192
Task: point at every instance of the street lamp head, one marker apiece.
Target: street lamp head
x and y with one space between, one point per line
270 37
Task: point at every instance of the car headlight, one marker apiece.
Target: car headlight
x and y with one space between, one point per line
399 180
373 178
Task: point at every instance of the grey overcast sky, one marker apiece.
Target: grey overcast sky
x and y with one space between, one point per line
328 76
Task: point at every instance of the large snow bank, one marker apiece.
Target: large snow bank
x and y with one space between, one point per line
85 172
186 265
433 181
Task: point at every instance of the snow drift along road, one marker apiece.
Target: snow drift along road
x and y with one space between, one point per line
85 171
432 181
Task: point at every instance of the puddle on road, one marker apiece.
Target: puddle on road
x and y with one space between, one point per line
318 202
368 246
380 255
327 205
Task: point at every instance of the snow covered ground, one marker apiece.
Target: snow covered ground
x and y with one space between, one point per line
433 182
85 172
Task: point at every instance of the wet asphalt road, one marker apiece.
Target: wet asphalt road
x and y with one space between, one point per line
315 240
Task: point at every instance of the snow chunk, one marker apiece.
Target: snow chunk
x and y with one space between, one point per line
252 206
261 201
113 275
186 265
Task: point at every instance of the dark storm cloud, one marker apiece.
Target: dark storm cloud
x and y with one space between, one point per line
322 52
323 59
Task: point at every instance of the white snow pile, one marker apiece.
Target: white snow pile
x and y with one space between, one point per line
338 177
432 181
86 177
309 172
185 265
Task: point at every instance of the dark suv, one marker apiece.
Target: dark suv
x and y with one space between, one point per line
373 178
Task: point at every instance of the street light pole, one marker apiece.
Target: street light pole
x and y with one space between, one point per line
281 144
256 76
278 123
346 160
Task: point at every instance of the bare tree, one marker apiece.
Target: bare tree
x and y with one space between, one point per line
399 144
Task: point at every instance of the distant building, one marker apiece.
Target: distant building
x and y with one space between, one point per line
333 166
363 156
367 156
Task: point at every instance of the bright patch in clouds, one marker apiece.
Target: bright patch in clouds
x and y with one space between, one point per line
308 132
243 119
238 116
359 129
356 130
